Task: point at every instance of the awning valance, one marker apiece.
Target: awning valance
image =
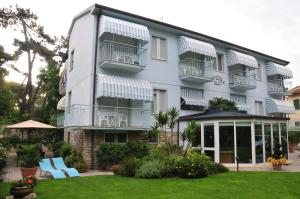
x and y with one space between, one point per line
61 103
123 28
237 58
279 106
275 69
194 101
186 44
119 87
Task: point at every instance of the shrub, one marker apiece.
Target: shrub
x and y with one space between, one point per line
151 169
75 160
219 168
128 168
65 150
55 147
29 155
170 165
194 165
137 149
3 157
109 154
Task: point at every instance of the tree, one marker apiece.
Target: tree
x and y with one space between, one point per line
221 104
35 44
162 121
189 134
154 132
173 114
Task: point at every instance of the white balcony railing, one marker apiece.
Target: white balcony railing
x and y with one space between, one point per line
279 87
108 117
242 79
122 53
196 69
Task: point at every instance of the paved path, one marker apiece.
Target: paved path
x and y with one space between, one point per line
13 173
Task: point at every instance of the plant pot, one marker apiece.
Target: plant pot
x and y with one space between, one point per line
28 171
21 191
277 167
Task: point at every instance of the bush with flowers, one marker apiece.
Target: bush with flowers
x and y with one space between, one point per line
277 158
29 181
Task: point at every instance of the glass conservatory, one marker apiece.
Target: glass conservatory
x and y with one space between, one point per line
228 136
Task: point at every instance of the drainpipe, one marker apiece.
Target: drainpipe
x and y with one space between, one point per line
178 132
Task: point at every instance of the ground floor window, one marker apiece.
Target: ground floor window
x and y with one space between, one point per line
115 137
196 142
268 141
226 134
259 151
243 142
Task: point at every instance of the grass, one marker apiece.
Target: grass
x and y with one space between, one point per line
227 185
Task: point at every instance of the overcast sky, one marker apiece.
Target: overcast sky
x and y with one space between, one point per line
268 26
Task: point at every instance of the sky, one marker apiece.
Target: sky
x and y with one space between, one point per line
268 26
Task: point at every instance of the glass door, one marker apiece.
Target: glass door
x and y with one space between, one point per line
226 142
209 140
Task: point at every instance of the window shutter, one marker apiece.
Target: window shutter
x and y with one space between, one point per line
163 49
154 47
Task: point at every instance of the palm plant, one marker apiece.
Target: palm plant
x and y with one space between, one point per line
189 134
154 132
162 121
173 114
219 103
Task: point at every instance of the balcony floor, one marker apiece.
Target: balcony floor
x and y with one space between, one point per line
113 65
195 79
108 128
241 87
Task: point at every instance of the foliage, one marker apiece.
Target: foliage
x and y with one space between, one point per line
65 150
29 181
109 154
277 157
189 134
194 165
3 157
221 104
75 160
151 169
128 168
154 133
173 114
136 149
55 147
29 155
294 137
218 168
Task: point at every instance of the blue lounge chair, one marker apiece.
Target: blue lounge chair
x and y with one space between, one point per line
59 164
46 167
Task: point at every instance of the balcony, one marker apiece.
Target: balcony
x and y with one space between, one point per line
108 117
193 70
240 80
119 56
279 88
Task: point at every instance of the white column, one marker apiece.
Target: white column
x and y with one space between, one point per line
279 129
271 137
253 143
263 140
202 137
217 142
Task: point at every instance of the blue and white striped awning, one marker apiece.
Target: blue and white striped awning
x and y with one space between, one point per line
194 101
279 106
123 28
61 105
186 44
275 69
237 58
119 87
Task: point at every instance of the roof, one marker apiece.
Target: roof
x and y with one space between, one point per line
295 90
98 9
213 115
30 124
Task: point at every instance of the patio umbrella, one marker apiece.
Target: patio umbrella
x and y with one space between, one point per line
29 125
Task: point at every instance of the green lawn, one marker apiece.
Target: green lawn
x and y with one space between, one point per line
229 185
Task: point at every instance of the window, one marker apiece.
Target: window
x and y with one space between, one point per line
115 137
71 60
297 123
69 99
219 64
159 48
258 73
159 101
191 93
296 104
238 99
259 108
196 142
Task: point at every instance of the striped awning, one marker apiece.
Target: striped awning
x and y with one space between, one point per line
279 106
119 87
237 58
275 69
194 101
186 44
61 103
123 28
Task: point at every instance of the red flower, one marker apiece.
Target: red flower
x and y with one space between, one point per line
29 181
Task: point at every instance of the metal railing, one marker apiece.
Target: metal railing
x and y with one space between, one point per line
279 86
108 116
242 78
196 68
122 53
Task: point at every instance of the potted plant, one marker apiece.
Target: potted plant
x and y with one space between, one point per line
28 158
277 160
23 187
